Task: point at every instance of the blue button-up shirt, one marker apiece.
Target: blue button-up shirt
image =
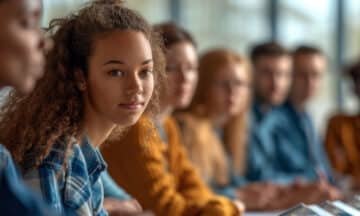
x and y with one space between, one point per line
15 197
75 189
287 147
298 147
260 153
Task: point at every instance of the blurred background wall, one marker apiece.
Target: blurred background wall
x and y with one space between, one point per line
332 25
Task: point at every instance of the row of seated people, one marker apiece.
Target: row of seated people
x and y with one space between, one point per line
282 156
170 140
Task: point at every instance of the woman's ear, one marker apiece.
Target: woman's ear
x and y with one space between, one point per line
80 80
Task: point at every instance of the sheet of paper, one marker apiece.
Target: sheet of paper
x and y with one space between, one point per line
262 213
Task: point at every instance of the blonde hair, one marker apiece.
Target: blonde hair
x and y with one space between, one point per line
212 160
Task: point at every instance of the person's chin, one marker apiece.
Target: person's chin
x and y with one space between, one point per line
128 121
276 101
182 104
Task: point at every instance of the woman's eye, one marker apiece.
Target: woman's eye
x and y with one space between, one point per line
25 23
28 23
145 73
116 73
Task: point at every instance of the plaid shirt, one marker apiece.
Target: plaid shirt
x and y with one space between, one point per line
76 190
15 197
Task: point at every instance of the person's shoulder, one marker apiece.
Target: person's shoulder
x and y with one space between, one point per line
343 120
190 119
278 116
5 157
281 110
341 117
3 151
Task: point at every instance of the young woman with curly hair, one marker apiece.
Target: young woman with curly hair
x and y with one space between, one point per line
160 175
98 80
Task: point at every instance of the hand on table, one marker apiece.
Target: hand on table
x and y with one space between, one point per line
116 207
256 196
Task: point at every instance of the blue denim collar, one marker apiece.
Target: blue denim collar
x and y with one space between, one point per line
257 114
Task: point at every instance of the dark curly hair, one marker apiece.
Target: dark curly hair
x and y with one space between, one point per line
31 124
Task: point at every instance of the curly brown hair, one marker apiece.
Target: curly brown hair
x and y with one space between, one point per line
31 124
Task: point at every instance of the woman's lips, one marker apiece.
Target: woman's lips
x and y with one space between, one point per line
132 105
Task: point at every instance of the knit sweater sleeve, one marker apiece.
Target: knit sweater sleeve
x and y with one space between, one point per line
138 164
193 188
190 184
334 146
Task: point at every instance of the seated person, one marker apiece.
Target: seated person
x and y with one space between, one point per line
272 67
150 162
214 127
342 137
89 92
290 128
21 65
214 132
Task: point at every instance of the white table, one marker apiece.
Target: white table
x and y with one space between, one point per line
262 213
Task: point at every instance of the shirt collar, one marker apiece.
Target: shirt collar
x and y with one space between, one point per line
56 157
94 161
258 113
298 114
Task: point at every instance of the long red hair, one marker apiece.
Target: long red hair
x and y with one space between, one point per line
235 130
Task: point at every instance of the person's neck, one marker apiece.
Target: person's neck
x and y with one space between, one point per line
97 129
297 103
219 120
263 106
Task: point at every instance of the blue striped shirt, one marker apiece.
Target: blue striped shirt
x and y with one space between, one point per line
76 189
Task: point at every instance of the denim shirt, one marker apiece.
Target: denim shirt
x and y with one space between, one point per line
75 190
260 152
287 147
298 146
15 197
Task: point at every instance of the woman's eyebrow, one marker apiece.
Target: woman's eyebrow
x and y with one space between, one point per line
121 62
113 62
147 62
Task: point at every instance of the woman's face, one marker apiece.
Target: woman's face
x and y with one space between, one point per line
182 62
120 79
229 93
21 44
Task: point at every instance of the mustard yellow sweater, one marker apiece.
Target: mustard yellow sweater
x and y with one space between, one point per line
160 176
343 144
